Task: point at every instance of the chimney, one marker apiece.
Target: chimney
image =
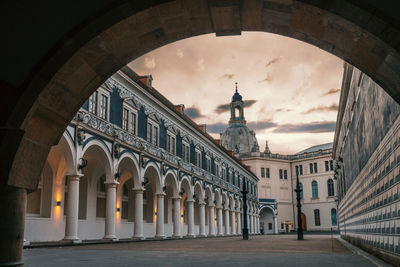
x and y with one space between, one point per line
218 141
147 79
180 108
203 127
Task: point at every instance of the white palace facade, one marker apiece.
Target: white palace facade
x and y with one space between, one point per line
132 165
277 178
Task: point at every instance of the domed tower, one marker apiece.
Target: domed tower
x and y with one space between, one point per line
238 137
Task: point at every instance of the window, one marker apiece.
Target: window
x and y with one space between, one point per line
262 172
333 217
297 169
124 202
269 226
197 159
125 119
101 198
314 186
103 107
285 174
331 191
267 174
93 103
185 152
224 174
132 123
280 174
152 134
317 220
301 192
301 169
326 166
171 143
315 167
331 165
311 168
208 164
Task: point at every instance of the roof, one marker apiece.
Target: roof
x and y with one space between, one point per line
316 148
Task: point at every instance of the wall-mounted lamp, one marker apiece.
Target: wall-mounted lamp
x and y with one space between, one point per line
118 209
155 213
58 203
181 215
145 182
82 163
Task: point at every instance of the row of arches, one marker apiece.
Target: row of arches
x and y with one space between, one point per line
137 200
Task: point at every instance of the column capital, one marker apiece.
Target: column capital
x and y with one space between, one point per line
176 198
202 203
160 195
74 176
190 200
111 183
211 205
138 190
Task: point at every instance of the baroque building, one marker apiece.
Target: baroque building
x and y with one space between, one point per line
277 178
368 166
132 165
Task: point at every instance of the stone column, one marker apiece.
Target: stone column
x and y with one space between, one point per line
239 223
160 216
111 209
219 221
227 221
275 224
138 229
258 224
71 222
202 217
233 224
252 223
177 217
190 218
211 223
12 223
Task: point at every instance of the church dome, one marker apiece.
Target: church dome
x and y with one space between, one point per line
238 137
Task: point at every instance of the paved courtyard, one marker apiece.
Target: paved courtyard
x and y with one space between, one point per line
281 250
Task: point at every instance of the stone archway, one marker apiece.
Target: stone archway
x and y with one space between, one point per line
68 59
268 220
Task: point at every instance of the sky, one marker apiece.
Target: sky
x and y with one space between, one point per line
291 89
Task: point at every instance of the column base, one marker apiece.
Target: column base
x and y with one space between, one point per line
72 239
110 237
176 236
190 236
202 235
211 235
138 238
26 243
220 234
160 237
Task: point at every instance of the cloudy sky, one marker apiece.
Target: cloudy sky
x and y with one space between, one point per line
291 89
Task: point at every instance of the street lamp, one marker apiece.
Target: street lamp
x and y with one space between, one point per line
245 230
299 222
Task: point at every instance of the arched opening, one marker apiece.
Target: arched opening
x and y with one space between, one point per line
198 199
186 207
237 112
303 221
267 224
171 196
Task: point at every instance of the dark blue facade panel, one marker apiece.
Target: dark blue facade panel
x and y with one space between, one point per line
163 135
142 123
116 107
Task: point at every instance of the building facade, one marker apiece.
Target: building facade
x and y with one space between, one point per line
368 165
132 165
277 179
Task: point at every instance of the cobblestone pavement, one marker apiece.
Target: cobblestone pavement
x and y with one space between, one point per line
281 250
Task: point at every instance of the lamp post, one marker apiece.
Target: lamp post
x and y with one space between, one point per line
299 222
245 230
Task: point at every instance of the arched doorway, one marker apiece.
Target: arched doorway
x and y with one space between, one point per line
267 223
69 59
303 222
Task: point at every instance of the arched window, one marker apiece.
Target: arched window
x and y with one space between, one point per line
314 186
237 112
301 193
331 190
333 217
317 219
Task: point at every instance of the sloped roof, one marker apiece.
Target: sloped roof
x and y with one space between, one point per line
316 148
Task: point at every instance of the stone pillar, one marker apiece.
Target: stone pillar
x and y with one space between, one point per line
233 224
275 224
219 221
177 217
227 221
252 223
202 218
239 223
138 229
12 223
111 209
211 223
160 216
190 218
258 224
71 222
